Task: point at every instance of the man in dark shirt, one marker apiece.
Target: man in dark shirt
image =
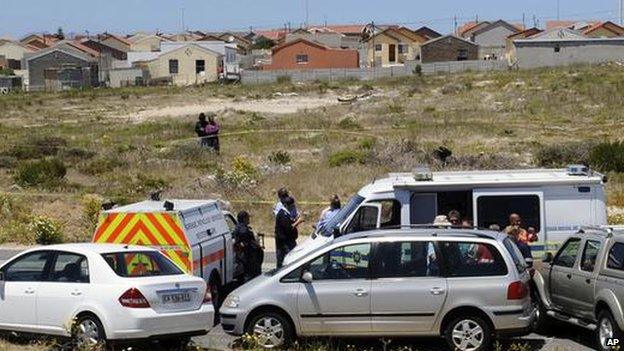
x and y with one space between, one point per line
200 129
286 232
249 254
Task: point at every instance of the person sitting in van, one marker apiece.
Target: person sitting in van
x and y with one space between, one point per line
329 212
455 218
467 223
532 235
515 225
286 231
514 234
249 253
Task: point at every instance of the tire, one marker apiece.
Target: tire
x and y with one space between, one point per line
272 329
468 333
607 328
214 285
543 321
88 332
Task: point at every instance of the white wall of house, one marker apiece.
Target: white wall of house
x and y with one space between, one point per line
562 53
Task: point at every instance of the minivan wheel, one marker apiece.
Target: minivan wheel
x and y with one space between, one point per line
607 329
88 331
270 329
468 334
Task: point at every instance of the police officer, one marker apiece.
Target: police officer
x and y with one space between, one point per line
249 253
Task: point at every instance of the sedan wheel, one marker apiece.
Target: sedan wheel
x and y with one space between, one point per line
88 332
269 331
468 334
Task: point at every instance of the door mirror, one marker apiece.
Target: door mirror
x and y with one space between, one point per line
336 232
307 277
529 262
548 257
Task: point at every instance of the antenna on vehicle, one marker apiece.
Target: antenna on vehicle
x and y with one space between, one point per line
168 206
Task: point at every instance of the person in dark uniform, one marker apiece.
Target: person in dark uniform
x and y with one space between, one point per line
249 253
286 231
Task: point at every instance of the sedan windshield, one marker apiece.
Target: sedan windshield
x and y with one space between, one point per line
340 217
132 264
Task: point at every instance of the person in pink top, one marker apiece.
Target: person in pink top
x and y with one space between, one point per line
212 133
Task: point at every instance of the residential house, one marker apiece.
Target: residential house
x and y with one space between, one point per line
105 49
392 46
325 37
574 25
492 38
186 65
12 53
527 33
114 41
40 41
242 43
146 42
561 47
604 30
63 66
305 54
465 31
427 33
448 48
184 36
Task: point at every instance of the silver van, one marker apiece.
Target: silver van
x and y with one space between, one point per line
464 285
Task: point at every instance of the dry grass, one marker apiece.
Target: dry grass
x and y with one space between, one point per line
488 120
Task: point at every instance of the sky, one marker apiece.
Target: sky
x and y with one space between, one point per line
21 17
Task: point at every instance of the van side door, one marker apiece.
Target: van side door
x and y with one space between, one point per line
561 271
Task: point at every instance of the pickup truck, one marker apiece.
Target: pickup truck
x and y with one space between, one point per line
583 284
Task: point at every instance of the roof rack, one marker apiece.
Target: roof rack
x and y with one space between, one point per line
605 230
435 226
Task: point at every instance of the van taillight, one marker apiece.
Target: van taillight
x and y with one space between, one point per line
133 298
517 291
207 297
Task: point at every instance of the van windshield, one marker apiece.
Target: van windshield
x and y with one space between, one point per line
340 217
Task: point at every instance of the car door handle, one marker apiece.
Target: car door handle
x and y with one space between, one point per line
569 276
76 293
29 291
360 293
588 281
436 291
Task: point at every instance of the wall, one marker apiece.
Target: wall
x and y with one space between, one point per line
151 43
333 40
14 51
286 58
124 77
492 42
55 59
267 77
447 49
186 75
535 55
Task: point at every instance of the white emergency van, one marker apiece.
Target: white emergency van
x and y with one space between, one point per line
196 234
556 202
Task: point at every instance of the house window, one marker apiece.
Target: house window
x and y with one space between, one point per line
403 49
200 66
377 47
14 64
557 48
462 55
173 66
302 59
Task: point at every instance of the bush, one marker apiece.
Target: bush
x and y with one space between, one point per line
91 206
561 155
47 172
101 165
280 158
284 80
46 231
242 175
349 123
608 157
418 70
345 157
37 148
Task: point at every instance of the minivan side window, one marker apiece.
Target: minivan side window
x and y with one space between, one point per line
590 255
471 259
406 259
567 255
495 209
28 268
616 257
347 262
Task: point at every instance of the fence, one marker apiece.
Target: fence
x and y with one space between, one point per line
335 74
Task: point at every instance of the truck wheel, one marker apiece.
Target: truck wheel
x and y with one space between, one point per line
271 329
542 321
468 333
608 329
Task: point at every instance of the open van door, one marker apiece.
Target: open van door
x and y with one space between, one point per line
493 206
367 217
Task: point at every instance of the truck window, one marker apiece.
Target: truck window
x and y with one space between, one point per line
495 209
567 255
390 213
364 219
470 259
590 254
616 257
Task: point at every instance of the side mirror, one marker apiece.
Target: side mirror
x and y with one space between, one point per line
307 277
336 232
548 257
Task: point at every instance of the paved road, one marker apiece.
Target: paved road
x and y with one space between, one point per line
562 338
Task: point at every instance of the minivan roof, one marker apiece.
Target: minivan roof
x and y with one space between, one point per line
440 232
475 179
159 206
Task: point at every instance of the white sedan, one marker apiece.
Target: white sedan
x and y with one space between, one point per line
98 292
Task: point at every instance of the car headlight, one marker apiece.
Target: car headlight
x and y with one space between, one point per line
231 301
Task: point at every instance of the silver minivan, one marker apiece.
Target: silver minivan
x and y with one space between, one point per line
464 285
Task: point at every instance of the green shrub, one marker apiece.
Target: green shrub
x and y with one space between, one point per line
242 175
280 158
46 231
48 172
418 70
367 144
101 165
349 123
345 157
608 157
37 148
284 80
91 206
563 154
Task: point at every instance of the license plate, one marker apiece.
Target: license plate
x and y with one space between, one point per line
176 298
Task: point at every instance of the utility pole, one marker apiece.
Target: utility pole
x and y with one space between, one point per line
307 13
373 40
535 21
523 21
558 10
182 18
455 25
621 12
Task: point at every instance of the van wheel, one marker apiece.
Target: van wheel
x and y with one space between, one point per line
468 334
542 321
607 329
214 286
270 329
88 332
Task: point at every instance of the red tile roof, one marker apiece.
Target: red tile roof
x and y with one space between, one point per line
567 24
469 26
273 34
610 26
78 46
